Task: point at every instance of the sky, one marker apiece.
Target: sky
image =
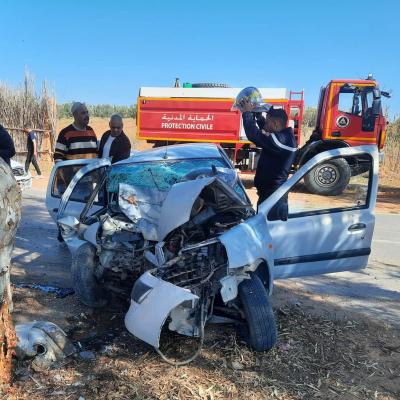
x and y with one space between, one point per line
103 51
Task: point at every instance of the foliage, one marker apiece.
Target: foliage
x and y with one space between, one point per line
99 110
392 147
310 117
24 106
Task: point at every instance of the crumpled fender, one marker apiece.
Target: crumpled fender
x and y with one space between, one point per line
249 243
152 300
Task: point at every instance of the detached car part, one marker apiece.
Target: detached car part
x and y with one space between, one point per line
44 342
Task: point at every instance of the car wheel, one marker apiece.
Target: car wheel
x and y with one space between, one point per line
59 236
329 178
86 285
261 331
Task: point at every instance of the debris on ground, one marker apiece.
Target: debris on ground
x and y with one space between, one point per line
59 292
42 342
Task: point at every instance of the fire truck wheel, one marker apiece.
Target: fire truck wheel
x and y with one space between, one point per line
329 178
86 285
261 331
210 85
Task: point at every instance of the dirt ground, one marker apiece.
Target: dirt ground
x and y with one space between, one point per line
316 358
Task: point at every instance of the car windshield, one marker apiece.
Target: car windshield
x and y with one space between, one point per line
161 175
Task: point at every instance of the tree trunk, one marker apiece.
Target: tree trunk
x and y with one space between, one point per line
10 214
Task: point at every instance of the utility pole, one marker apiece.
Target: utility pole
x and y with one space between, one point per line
10 215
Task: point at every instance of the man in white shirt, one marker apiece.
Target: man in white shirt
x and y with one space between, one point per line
114 143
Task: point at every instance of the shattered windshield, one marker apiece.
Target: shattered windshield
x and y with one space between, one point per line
161 175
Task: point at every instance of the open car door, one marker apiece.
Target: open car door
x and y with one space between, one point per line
70 185
323 234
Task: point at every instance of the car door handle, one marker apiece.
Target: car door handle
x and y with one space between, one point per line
357 227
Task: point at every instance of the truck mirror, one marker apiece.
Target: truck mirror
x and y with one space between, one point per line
376 106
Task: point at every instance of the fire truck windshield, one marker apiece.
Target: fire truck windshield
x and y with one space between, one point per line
355 100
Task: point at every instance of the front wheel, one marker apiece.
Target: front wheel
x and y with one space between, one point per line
329 178
86 285
261 326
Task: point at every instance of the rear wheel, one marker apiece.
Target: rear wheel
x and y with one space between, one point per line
329 178
86 285
261 329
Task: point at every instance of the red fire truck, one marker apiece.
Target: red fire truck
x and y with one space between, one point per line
349 114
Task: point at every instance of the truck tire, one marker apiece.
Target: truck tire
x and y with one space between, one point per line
89 290
329 178
210 85
261 332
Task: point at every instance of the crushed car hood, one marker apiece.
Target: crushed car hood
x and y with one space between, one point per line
157 213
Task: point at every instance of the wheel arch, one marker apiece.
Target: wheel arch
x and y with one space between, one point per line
265 273
309 151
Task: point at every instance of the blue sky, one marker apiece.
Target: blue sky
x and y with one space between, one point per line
103 51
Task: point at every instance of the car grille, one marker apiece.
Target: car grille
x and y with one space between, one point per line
18 171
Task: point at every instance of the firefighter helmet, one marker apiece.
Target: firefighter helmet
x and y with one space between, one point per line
254 96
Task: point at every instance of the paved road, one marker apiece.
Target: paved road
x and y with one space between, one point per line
375 291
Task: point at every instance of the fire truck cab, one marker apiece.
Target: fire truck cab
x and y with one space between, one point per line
349 114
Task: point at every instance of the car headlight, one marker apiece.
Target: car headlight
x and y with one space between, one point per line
140 291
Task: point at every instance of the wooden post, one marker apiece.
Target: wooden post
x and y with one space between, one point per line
10 215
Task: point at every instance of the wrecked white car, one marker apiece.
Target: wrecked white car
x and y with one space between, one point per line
176 225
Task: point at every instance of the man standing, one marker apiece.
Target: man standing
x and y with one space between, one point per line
32 147
77 140
278 149
7 149
114 143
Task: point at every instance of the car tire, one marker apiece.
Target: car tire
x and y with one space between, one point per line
329 178
261 331
89 290
210 85
59 236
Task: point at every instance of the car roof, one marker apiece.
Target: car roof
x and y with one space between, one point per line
175 152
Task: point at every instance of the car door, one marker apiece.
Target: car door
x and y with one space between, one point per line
70 186
324 234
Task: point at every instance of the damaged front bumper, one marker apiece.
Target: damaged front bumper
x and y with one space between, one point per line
152 301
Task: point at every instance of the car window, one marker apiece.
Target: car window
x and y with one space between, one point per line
345 182
63 178
84 188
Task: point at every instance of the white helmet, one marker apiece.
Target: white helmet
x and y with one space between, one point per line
255 98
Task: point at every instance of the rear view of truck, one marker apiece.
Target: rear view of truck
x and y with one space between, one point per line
204 114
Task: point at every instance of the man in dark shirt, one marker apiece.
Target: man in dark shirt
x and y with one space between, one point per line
32 147
77 140
278 148
7 149
114 143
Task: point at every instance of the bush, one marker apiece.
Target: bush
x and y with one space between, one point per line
310 117
392 148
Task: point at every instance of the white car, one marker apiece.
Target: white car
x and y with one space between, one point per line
176 224
23 178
